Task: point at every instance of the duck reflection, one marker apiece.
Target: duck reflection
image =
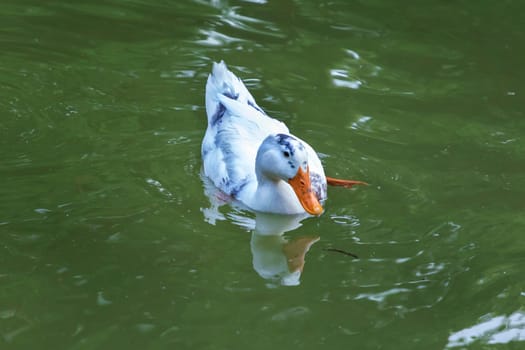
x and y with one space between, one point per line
274 257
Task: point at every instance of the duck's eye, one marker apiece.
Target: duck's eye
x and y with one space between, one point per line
286 154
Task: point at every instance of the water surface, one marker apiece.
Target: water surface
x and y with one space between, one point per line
109 237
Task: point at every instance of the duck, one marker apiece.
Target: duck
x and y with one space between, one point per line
253 158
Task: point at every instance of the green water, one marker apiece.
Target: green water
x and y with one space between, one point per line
109 241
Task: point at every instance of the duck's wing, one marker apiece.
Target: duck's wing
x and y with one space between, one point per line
236 128
229 154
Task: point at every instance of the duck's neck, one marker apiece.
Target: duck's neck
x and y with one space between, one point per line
276 196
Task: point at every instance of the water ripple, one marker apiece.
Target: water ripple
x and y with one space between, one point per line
491 330
214 38
231 18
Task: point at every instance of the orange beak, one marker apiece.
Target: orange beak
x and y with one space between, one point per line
303 190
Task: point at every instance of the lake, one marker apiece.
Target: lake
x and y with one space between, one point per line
112 239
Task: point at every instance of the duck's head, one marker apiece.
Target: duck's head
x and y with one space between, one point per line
283 157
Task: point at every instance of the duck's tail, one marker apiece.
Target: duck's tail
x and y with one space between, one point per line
222 82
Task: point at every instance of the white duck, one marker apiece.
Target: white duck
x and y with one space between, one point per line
253 158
